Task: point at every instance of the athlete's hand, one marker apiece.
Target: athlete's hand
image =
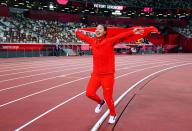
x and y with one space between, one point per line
154 30
138 30
76 30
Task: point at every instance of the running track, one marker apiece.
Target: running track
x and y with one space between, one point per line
48 94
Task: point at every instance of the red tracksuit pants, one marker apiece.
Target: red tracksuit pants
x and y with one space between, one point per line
107 82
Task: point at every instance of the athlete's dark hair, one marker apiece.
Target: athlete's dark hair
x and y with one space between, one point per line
105 29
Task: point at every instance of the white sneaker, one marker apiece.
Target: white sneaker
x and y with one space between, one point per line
112 119
99 107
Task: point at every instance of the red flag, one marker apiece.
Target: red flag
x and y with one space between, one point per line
113 31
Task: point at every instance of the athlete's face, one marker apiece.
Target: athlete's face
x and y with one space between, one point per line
100 31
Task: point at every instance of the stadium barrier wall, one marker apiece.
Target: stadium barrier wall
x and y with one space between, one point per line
9 50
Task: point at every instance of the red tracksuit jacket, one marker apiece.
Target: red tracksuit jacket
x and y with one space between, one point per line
103 49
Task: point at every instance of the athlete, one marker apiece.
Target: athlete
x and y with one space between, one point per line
104 63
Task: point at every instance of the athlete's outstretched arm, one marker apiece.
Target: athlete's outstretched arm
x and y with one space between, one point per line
84 37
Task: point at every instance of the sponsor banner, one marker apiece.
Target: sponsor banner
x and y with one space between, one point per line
22 47
108 6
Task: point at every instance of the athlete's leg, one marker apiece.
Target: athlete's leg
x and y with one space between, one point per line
107 82
92 87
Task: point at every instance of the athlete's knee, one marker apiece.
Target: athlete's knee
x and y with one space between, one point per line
108 99
90 94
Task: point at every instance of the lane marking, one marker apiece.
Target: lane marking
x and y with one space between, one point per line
68 61
62 59
47 67
45 113
42 91
104 116
47 72
39 92
42 69
13 87
39 64
18 129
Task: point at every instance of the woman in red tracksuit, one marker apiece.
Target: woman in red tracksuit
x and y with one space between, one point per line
104 64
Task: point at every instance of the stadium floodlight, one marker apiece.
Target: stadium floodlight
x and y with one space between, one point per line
5 4
51 7
182 16
117 12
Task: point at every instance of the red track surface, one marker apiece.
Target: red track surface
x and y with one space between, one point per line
48 94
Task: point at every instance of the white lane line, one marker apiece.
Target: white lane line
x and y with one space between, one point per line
48 72
50 111
42 91
47 67
43 74
42 62
37 65
34 66
62 70
57 106
56 63
104 116
24 84
42 69
32 82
